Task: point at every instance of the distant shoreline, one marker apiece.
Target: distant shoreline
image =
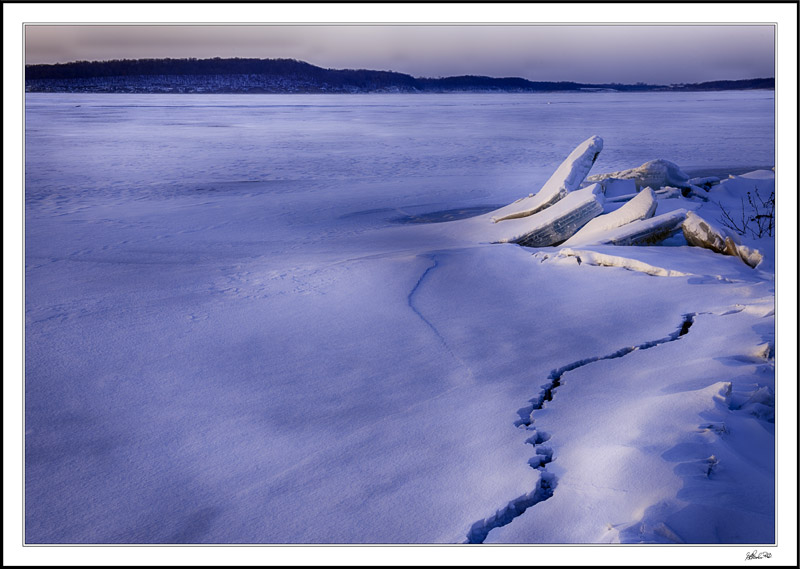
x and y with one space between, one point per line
424 93
289 76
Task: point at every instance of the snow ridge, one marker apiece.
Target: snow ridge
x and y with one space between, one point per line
547 483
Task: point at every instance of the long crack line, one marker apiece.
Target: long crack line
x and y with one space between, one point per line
547 483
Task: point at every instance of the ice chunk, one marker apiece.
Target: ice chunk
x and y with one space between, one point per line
751 257
702 233
668 192
552 225
604 260
692 191
656 174
705 182
643 206
646 231
665 193
565 179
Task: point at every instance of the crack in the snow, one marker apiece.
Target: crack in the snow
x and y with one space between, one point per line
544 490
434 329
547 481
555 376
414 292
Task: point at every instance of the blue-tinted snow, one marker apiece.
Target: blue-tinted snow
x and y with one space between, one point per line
229 337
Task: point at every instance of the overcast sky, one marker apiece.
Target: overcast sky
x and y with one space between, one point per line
589 53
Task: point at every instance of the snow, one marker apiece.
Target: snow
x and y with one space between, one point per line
758 175
655 173
642 206
237 330
605 260
644 231
672 466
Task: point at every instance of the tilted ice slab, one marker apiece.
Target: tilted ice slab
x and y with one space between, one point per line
656 174
565 179
552 225
702 233
643 206
646 231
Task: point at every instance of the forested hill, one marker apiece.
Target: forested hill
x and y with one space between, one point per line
292 76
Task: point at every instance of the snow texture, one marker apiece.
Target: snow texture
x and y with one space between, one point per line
269 319
567 177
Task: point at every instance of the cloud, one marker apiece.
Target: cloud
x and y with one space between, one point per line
588 53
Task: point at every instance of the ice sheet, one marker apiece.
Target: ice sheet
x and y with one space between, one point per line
232 336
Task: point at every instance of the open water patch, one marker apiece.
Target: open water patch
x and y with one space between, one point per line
445 215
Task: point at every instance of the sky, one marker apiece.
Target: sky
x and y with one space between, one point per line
658 54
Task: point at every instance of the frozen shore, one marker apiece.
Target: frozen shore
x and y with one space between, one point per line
275 330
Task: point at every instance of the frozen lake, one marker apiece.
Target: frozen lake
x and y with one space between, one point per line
153 143
242 326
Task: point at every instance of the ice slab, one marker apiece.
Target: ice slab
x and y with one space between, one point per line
646 231
606 260
702 233
565 179
552 225
656 174
643 206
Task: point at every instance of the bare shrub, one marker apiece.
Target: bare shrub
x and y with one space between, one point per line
756 218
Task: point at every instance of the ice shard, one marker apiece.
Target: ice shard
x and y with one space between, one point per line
567 178
552 225
646 231
643 206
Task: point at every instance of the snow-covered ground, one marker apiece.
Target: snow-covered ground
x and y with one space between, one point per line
265 319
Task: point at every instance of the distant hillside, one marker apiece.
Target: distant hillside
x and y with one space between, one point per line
729 85
291 76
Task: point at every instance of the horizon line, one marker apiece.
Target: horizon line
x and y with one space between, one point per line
380 70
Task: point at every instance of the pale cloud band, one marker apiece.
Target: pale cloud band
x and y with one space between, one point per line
586 53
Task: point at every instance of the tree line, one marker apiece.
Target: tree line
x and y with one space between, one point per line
69 76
